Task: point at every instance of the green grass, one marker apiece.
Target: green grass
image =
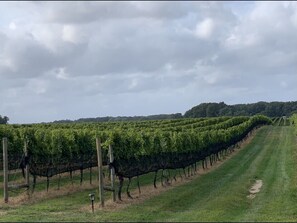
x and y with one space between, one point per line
217 196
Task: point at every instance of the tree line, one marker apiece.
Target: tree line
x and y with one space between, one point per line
270 109
124 118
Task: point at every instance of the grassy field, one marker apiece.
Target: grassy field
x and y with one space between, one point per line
220 195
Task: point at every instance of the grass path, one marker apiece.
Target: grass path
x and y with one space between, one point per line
220 195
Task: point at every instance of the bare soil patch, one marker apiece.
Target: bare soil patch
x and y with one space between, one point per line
255 189
2 213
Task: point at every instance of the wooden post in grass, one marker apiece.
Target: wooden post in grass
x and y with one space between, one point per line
100 172
112 173
27 174
5 170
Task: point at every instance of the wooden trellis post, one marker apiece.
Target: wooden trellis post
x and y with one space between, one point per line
5 170
100 173
112 173
27 174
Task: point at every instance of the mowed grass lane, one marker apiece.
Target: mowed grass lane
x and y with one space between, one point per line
220 195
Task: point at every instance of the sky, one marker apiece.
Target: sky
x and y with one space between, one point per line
70 60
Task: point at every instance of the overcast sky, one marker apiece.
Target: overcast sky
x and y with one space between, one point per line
69 60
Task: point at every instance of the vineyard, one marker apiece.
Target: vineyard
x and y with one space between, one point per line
138 147
281 121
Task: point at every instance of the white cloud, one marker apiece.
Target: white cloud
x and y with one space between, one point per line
205 28
72 34
7 63
62 74
12 26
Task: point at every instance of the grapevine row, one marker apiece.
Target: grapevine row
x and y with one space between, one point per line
53 151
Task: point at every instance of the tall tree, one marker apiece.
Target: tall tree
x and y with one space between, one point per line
4 119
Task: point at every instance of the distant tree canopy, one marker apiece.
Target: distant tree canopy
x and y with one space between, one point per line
271 109
124 118
4 119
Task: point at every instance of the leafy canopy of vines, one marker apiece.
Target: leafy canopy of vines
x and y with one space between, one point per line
139 147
